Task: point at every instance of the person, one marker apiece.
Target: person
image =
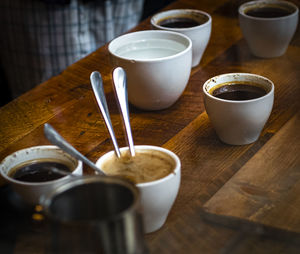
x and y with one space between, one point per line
40 38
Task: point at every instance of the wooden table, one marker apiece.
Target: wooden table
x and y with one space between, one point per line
232 199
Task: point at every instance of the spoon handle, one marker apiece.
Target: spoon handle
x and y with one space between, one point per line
56 139
119 77
98 89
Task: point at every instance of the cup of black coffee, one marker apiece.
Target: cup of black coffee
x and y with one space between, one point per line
268 26
193 23
37 170
238 105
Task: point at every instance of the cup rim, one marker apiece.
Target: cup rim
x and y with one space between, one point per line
150 60
149 147
269 93
242 8
155 16
82 180
49 147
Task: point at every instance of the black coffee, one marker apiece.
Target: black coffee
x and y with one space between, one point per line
179 22
39 171
238 92
268 12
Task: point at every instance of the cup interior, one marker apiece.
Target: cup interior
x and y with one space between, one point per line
149 45
91 198
163 154
233 78
164 20
284 9
33 154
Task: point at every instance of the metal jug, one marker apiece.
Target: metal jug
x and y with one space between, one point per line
95 214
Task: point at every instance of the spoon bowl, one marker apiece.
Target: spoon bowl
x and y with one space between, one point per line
97 85
120 86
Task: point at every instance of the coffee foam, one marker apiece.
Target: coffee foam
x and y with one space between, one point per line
145 166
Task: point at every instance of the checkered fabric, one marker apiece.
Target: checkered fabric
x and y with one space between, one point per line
40 38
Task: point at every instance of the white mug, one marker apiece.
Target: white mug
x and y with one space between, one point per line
238 122
158 196
268 37
157 66
32 192
199 34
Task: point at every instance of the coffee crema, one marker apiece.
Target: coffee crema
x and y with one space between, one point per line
238 91
39 170
145 166
268 11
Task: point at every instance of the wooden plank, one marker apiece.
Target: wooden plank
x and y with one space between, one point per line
266 190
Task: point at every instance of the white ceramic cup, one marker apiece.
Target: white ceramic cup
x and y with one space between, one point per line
31 192
199 34
268 37
157 65
157 197
238 122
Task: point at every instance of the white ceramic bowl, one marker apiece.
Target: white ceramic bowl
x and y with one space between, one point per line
32 192
157 197
239 122
268 37
157 65
199 34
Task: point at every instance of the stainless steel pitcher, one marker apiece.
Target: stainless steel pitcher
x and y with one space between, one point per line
95 214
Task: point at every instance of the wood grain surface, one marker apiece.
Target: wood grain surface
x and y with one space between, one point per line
256 183
266 189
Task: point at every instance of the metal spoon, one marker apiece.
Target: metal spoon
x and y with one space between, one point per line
56 139
61 172
98 89
119 78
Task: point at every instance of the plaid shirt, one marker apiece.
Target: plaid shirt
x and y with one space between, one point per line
40 38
